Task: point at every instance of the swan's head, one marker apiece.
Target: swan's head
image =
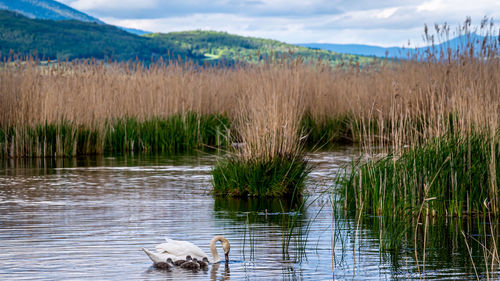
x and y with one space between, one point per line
226 247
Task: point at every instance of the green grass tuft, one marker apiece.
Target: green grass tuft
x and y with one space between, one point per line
277 177
173 134
176 133
451 176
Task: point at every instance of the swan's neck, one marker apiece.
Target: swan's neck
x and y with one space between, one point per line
213 248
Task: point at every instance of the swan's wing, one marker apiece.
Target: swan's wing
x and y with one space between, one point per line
181 249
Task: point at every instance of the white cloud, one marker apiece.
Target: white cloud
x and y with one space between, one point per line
287 30
386 13
430 6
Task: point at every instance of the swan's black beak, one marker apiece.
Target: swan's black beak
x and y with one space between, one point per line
227 257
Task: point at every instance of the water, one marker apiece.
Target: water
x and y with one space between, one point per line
88 218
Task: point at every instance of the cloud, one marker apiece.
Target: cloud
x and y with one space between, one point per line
110 5
283 29
132 9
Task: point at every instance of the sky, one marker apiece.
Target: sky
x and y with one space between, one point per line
382 23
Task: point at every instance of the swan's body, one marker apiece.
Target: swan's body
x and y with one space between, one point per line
178 250
181 249
160 257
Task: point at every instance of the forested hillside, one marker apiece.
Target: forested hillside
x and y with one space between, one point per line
221 45
74 39
70 39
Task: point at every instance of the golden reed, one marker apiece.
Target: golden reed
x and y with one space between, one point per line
393 104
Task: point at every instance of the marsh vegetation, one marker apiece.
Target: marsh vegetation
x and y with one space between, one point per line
431 121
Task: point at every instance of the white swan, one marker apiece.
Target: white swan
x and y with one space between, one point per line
176 250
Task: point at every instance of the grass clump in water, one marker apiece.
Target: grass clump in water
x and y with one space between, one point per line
269 159
441 142
277 177
450 176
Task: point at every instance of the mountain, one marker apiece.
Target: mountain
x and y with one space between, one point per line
53 10
46 9
71 39
459 42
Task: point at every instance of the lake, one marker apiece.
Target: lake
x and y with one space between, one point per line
88 218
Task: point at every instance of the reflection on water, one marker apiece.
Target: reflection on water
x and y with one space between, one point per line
256 216
87 218
254 210
437 247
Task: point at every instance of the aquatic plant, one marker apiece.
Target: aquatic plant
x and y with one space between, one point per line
172 134
450 176
435 151
430 242
269 160
278 177
273 108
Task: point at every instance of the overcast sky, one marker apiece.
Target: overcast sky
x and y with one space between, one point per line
385 22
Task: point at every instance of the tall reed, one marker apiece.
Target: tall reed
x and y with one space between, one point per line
274 108
92 96
439 130
270 160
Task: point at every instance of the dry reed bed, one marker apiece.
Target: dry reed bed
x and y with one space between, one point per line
388 106
438 126
391 104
